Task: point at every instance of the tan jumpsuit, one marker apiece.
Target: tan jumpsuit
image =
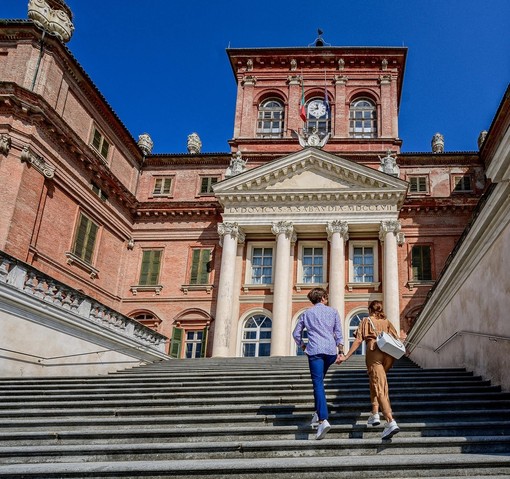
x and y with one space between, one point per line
377 362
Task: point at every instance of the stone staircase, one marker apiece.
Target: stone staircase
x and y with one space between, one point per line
249 417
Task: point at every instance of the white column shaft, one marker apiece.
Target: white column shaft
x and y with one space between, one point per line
390 276
337 274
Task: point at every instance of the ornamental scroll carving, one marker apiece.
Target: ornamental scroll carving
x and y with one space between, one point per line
231 229
37 162
337 226
286 228
391 226
55 22
5 144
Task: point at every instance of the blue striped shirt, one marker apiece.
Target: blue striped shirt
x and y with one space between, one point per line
324 330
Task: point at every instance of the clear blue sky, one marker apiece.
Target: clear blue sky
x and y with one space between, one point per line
162 66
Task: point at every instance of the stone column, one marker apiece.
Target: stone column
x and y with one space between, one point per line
280 334
230 234
388 233
337 235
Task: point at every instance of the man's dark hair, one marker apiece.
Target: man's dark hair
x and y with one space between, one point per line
316 294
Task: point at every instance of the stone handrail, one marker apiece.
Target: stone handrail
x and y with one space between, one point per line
33 282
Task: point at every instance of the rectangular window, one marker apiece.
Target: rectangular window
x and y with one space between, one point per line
151 263
100 144
85 239
98 191
421 262
363 264
262 266
200 266
313 260
207 184
162 187
418 184
462 183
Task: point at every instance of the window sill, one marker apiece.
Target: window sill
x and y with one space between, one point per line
73 259
155 288
196 287
413 284
351 286
309 286
257 287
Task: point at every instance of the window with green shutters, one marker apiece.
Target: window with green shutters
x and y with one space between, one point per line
85 239
151 263
421 262
206 186
162 186
100 144
418 184
200 266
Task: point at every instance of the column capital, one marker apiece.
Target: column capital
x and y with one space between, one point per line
389 226
337 226
232 229
284 227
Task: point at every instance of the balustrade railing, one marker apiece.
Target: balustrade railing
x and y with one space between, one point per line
30 281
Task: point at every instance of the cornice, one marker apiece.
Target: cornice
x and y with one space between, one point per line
165 160
33 109
17 30
183 210
435 159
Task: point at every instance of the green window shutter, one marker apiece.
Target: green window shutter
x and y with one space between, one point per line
176 342
90 241
149 272
96 141
85 239
205 255
427 263
105 147
205 337
195 265
205 185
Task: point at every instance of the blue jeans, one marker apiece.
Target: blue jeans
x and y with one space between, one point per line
319 365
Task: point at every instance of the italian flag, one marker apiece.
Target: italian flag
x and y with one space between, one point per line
302 110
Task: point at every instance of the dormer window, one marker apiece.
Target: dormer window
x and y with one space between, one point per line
270 119
362 119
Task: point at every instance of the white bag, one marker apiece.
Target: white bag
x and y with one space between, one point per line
388 344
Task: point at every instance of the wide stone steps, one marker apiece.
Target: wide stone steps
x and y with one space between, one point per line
245 418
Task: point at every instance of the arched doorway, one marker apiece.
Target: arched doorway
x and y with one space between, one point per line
354 322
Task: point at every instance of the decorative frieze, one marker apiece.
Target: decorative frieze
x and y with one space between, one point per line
232 229
39 163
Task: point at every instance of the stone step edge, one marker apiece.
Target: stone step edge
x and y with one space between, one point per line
268 429
255 465
258 445
300 416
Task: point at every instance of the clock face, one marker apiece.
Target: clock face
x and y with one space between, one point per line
317 108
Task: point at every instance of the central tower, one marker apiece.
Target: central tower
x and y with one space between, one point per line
351 94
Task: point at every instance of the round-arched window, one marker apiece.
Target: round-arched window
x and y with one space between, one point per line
353 326
270 119
256 336
363 119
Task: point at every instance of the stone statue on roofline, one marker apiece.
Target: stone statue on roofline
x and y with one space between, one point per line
237 165
389 164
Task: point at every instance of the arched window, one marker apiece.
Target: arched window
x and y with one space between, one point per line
270 119
362 119
147 319
353 326
256 337
318 116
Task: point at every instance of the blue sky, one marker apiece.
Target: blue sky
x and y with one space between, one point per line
162 66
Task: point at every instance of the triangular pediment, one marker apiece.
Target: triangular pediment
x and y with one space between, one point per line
310 171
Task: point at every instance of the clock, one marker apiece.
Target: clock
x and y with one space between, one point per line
317 108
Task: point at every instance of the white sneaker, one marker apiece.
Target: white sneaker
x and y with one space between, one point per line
390 430
374 420
322 429
315 420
